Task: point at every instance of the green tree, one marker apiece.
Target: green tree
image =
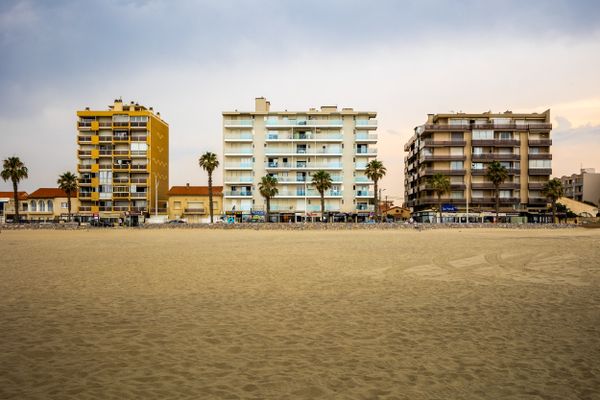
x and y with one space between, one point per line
68 183
553 190
209 162
497 174
440 185
375 171
323 182
268 189
14 169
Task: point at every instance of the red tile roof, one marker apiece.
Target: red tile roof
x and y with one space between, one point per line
22 195
49 193
194 191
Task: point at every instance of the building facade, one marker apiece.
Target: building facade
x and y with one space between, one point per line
7 206
291 146
461 146
191 203
123 162
50 204
584 187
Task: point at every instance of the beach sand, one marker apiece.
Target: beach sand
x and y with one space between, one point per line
215 314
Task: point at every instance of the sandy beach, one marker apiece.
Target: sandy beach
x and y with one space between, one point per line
199 314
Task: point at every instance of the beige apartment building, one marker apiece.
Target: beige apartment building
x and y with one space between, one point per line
584 186
123 165
462 145
291 146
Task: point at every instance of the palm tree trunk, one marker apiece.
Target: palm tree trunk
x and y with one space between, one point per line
553 211
69 206
440 207
268 216
210 196
16 198
322 206
376 200
497 202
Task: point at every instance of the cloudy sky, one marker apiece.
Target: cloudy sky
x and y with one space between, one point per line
191 60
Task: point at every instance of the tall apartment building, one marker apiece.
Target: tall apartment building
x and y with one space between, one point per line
123 162
291 146
461 146
584 186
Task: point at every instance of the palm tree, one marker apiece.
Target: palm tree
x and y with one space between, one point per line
497 174
268 189
375 171
68 183
440 185
553 189
322 181
209 163
14 169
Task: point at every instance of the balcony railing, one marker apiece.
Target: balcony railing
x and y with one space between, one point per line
141 124
495 142
366 137
238 194
540 142
540 156
239 136
84 138
535 185
447 157
490 186
364 193
120 180
121 167
238 151
120 195
238 122
303 166
540 171
84 181
194 211
139 138
247 179
308 152
436 143
480 172
496 156
121 138
465 127
138 180
105 138
85 208
84 153
84 167
138 195
84 195
366 151
121 152
139 167
247 165
309 122
303 137
366 123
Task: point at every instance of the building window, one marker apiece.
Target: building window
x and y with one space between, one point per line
477 165
50 206
33 206
477 150
64 205
483 134
177 205
456 194
456 165
504 194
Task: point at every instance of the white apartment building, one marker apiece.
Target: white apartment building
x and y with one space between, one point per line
291 146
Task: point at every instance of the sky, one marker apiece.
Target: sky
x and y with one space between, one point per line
191 60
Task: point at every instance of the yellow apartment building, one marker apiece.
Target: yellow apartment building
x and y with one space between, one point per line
191 203
291 146
50 204
123 162
462 145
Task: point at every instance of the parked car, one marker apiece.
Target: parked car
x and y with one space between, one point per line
176 221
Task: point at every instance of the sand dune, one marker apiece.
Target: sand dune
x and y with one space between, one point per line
186 314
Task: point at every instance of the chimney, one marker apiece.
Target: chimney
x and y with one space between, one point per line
187 185
261 105
118 105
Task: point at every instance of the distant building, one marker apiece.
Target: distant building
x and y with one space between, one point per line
50 204
397 213
123 154
192 203
7 205
291 146
584 186
461 146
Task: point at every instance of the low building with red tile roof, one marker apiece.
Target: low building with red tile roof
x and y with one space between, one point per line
191 203
50 204
7 204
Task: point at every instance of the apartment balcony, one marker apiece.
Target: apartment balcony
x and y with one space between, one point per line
540 156
238 137
360 166
535 185
490 201
307 152
105 139
121 167
84 181
540 171
139 125
120 138
138 153
364 193
446 157
366 123
242 194
448 172
308 166
537 201
362 179
441 143
495 143
366 152
496 157
490 186
84 167
121 180
139 181
121 195
500 127
142 209
194 211
139 138
105 153
328 208
121 153
138 167
84 139
308 193
540 142
238 152
85 208
303 137
84 195
238 123
365 137
238 179
365 207
323 123
121 208
239 166
138 195
84 153
84 125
